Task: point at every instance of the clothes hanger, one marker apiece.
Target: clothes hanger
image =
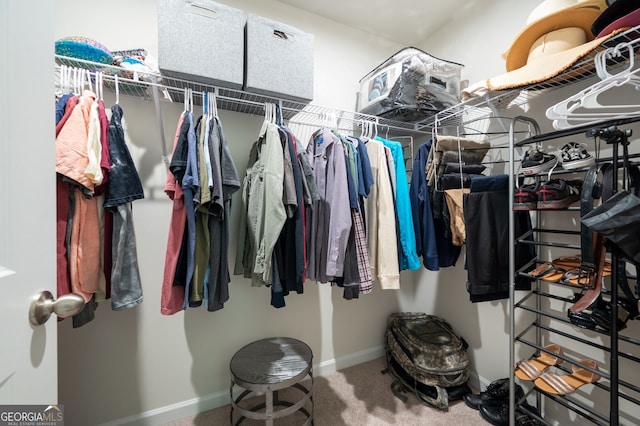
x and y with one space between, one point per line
87 75
588 96
99 86
279 119
74 80
585 105
117 89
205 104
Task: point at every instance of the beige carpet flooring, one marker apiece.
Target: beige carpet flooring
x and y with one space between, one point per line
356 396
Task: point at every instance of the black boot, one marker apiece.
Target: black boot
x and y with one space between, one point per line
499 414
473 400
493 395
496 414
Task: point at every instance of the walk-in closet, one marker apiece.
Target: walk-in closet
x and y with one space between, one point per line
283 179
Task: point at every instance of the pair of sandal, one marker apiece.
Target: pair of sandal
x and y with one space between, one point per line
568 269
534 370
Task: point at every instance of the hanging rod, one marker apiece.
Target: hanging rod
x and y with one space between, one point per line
172 90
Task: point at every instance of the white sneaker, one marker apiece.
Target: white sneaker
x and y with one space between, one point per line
575 156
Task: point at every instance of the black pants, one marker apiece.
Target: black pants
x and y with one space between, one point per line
486 216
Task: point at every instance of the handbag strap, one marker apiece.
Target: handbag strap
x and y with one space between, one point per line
593 189
592 243
631 177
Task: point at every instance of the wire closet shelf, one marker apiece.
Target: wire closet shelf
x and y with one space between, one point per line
143 85
495 101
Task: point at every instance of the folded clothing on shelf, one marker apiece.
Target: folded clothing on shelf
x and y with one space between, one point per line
411 85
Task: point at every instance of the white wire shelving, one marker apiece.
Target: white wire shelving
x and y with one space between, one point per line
142 85
496 101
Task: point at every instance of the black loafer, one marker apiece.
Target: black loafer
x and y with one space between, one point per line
582 319
626 310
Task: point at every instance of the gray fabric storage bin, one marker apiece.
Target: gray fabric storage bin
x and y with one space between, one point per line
278 60
202 41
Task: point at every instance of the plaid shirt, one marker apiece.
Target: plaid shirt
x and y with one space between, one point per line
364 268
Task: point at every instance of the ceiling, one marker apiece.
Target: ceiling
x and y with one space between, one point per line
406 22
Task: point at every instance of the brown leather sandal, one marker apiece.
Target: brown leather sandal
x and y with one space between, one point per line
565 384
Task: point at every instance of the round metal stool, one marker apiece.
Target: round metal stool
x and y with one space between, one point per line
266 367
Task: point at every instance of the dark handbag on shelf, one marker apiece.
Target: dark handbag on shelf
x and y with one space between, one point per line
618 218
616 221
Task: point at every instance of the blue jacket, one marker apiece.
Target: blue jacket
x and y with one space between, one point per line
419 195
408 257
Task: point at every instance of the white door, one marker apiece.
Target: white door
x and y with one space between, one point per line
28 354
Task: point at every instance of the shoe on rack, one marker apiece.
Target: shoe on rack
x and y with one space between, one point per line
557 194
525 198
536 161
496 394
473 400
575 156
531 369
499 414
568 383
523 415
602 314
583 319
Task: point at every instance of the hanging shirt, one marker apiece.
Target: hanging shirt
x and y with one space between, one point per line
190 184
408 256
172 297
331 215
381 221
71 143
264 212
124 187
226 177
94 148
124 181
420 198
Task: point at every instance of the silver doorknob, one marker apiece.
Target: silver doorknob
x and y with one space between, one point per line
43 305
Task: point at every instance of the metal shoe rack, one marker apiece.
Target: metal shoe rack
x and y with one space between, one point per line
493 112
552 323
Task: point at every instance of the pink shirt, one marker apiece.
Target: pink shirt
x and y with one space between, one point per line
173 296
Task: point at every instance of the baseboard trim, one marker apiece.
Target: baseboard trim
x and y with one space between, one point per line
194 406
346 361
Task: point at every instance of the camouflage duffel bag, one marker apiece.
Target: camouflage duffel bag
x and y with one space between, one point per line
427 357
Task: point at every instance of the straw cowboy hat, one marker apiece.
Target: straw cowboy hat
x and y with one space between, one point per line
551 15
553 43
549 45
